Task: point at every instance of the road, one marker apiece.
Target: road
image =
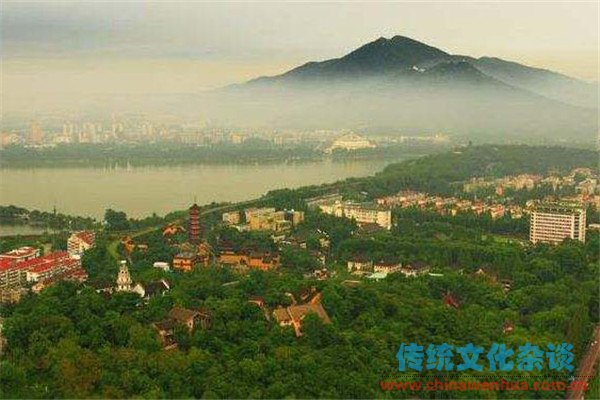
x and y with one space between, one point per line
113 246
586 367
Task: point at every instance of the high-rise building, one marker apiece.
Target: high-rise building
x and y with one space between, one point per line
36 136
194 224
554 222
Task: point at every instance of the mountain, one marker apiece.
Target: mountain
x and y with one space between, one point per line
405 56
400 84
383 56
542 81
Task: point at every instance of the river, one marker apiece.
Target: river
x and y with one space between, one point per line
140 191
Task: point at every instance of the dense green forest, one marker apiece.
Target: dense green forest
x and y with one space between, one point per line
439 174
71 341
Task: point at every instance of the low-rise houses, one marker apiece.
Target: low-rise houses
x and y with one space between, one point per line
449 205
587 185
402 199
517 182
389 267
359 264
185 261
249 260
499 206
414 269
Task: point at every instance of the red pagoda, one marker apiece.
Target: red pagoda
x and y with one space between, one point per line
194 224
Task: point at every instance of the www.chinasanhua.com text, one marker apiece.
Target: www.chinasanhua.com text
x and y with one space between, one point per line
501 385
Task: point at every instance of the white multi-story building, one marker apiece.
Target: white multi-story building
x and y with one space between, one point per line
350 141
231 217
361 213
553 223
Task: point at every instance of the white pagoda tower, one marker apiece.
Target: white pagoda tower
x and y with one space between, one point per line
123 279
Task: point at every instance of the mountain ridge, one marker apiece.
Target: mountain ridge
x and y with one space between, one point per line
408 86
401 54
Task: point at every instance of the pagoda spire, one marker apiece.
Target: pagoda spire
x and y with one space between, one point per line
194 224
123 278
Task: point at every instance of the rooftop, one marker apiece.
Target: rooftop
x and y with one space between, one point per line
20 252
35 262
188 255
301 311
564 208
86 236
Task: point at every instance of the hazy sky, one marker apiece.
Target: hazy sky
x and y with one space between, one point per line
78 48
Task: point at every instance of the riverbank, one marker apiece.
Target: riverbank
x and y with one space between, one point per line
181 154
142 191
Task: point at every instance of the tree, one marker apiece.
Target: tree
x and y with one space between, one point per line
116 220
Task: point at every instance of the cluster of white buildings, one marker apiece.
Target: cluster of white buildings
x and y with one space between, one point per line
362 213
263 219
588 185
377 270
449 205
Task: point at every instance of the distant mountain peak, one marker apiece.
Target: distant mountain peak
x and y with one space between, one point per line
381 56
393 53
400 58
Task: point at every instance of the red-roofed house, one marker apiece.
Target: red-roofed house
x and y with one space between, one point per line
80 241
50 265
293 315
74 275
21 254
451 301
14 274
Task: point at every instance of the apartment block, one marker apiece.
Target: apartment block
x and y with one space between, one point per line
553 223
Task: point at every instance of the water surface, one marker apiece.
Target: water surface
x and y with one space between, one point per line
140 191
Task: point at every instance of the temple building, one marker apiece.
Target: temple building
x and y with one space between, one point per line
194 224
